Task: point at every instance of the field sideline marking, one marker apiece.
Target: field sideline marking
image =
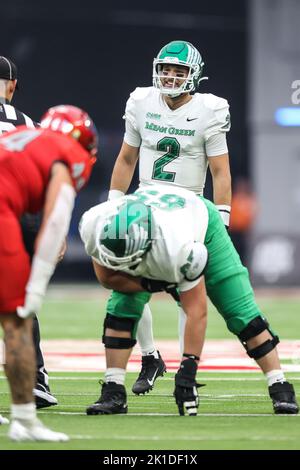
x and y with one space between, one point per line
219 356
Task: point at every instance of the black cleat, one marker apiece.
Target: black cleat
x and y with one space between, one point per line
283 398
112 400
43 396
151 369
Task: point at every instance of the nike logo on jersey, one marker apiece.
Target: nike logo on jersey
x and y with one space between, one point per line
151 382
191 119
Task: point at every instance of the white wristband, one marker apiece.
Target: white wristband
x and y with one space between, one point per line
224 211
41 272
32 305
115 194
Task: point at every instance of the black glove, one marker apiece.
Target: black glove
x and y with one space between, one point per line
152 285
186 393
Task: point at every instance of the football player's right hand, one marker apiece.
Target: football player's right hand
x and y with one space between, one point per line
32 305
187 399
186 393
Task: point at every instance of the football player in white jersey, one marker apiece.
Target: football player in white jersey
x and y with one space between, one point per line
175 133
160 238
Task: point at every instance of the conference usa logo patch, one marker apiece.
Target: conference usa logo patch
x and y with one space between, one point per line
153 115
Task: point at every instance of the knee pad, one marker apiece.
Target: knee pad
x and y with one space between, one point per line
254 328
119 324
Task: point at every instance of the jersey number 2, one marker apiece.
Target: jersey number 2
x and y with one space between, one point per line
172 147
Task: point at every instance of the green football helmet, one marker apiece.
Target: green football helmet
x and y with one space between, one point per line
125 236
180 53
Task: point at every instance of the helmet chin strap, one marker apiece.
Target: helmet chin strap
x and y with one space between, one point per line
184 92
175 96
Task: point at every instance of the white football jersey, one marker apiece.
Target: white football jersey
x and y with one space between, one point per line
179 218
175 144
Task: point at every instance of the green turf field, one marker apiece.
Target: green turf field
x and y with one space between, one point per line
234 414
64 317
235 411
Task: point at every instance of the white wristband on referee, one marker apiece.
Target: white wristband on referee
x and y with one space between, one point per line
224 213
115 194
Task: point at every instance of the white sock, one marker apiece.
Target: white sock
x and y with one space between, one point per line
145 332
181 328
115 374
24 411
274 376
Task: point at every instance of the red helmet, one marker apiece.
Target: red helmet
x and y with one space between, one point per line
74 122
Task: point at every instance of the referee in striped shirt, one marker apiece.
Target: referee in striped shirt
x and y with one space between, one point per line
10 117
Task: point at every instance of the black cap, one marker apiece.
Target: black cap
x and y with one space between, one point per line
8 70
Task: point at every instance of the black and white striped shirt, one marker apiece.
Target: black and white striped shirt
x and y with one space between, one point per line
10 117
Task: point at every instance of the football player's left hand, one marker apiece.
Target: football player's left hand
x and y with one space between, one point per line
153 285
32 305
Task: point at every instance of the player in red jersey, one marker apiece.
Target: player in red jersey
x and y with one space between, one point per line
55 163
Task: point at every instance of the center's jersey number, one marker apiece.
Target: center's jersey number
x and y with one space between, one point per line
172 147
153 198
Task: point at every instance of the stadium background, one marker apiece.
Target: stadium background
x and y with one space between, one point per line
93 55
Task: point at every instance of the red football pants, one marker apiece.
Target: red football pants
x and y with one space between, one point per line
14 262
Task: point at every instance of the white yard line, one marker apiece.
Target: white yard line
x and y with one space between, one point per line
200 415
80 437
206 379
218 356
